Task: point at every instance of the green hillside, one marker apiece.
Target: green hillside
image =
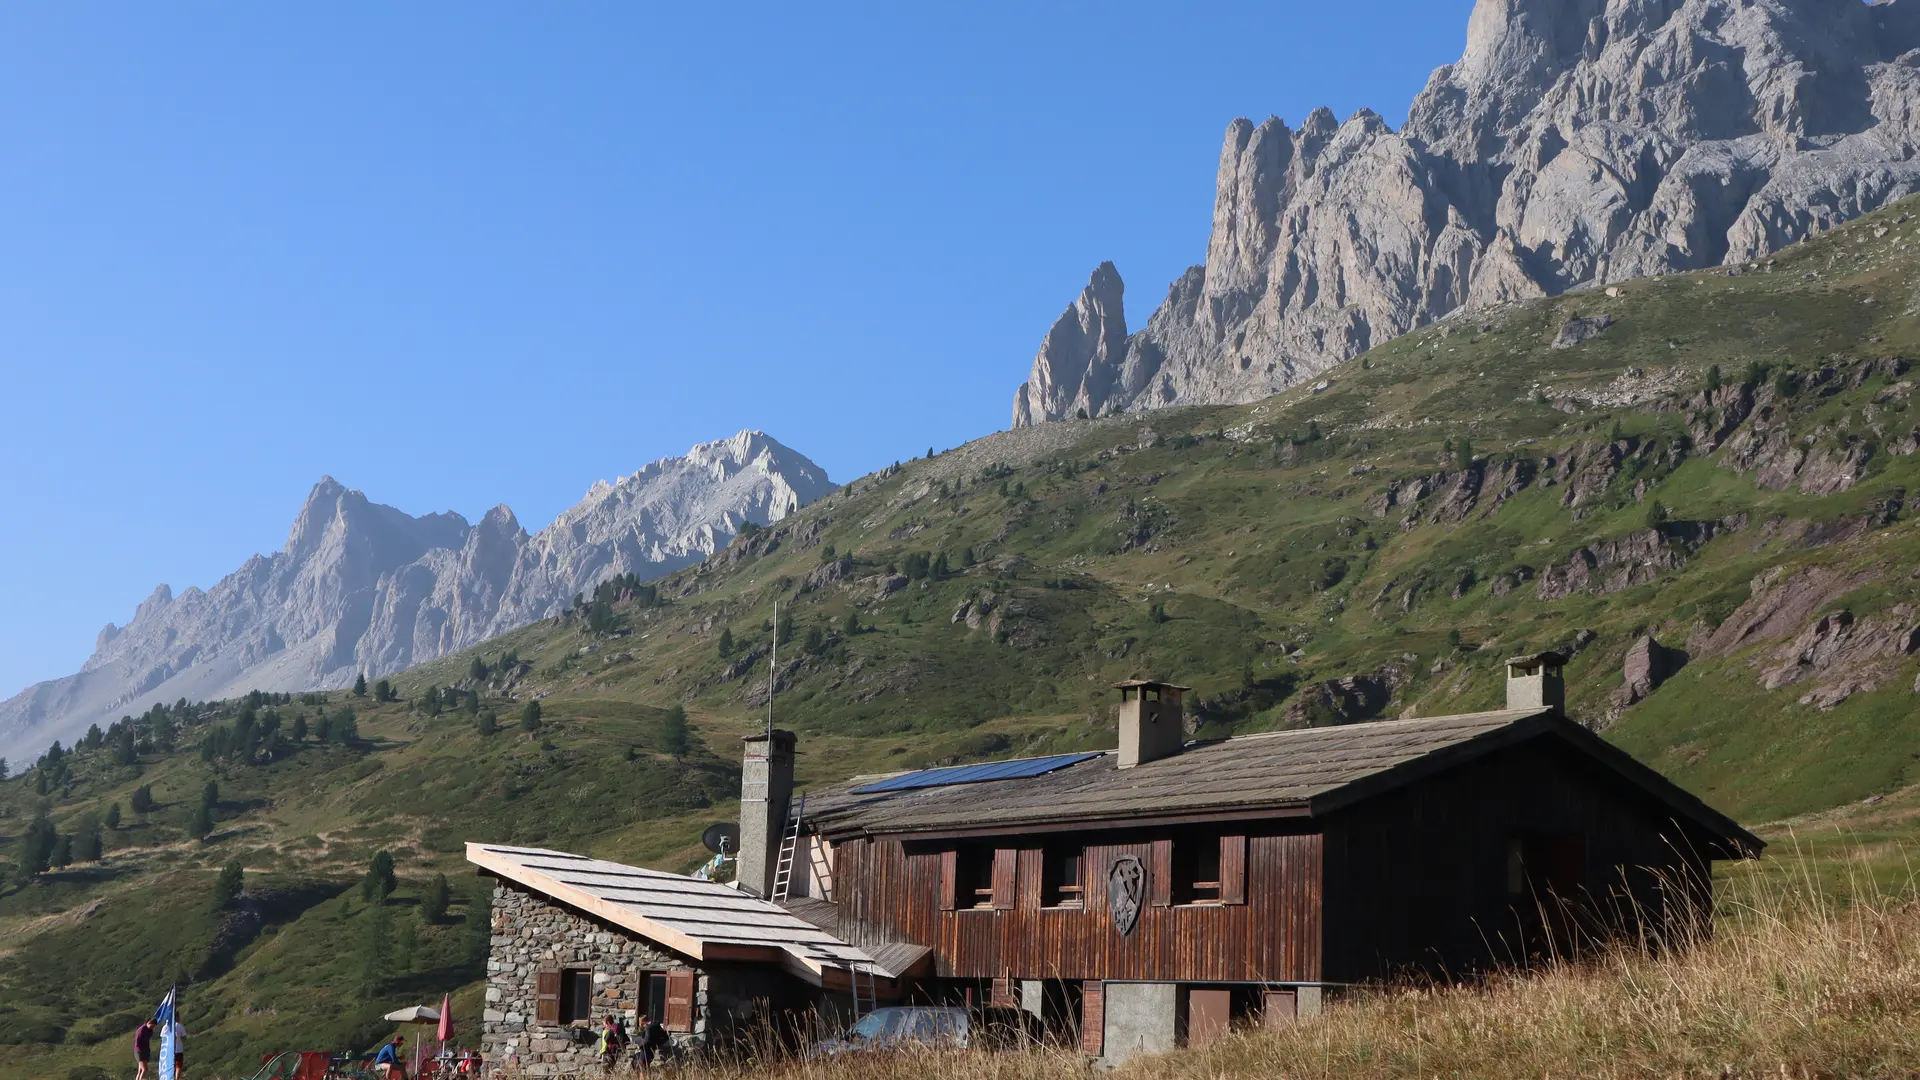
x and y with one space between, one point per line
1721 467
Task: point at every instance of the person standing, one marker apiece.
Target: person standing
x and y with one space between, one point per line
612 1041
179 1048
653 1039
142 1049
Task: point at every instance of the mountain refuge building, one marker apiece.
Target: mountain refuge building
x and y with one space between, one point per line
1130 900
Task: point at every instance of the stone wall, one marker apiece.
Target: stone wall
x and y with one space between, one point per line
532 934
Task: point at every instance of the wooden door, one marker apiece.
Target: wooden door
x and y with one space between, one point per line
1209 1015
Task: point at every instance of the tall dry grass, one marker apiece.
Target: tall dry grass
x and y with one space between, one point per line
1791 983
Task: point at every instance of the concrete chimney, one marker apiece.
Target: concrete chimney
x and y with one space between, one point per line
1151 726
766 791
1535 682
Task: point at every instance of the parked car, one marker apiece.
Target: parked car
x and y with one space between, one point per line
900 1026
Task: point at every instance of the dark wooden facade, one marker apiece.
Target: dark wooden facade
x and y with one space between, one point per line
1423 876
1445 873
891 890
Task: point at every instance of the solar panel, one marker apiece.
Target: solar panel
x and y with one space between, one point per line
975 774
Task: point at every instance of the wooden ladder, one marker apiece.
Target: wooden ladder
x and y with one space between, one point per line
789 849
861 974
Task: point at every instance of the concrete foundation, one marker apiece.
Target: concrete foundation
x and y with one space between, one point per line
1142 1018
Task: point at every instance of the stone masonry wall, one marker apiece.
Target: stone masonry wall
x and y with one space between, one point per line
532 934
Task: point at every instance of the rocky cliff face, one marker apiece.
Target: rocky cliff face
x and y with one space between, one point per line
1575 142
365 588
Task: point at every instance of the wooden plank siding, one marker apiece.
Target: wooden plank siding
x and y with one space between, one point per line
892 891
1418 877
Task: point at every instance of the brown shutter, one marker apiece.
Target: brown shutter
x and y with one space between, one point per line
1280 1007
1005 872
1002 994
680 990
546 997
1093 1017
1233 869
949 877
1160 875
1031 860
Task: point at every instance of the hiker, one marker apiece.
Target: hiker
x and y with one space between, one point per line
391 1062
653 1039
142 1049
179 1048
612 1041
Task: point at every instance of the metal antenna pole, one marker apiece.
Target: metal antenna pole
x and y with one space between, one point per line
772 671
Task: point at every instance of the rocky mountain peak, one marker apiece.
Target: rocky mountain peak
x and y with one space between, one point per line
1080 356
364 588
1574 142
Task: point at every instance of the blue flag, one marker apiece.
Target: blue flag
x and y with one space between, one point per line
163 1017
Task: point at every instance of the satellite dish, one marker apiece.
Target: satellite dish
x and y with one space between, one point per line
722 838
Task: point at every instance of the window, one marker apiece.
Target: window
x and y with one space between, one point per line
1060 880
1196 869
653 996
975 872
576 995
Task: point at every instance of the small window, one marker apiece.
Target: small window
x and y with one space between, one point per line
975 869
1060 881
1196 868
576 995
653 996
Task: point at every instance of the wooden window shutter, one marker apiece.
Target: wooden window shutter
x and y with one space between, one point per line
1031 862
1002 994
680 991
1006 862
949 877
1160 875
1093 1018
1233 869
546 998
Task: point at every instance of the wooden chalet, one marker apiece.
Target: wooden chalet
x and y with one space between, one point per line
1135 899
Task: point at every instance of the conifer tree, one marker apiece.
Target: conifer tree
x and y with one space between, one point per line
360 685
726 643
226 887
486 723
675 739
113 816
380 881
433 906
200 823
530 717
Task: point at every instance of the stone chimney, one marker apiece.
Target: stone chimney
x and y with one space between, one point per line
766 791
1534 682
1151 726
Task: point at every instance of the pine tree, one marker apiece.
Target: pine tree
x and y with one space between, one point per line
200 824
486 723
1463 455
783 634
360 685
300 728
35 852
379 882
3 768
376 935
226 887
113 816
88 844
477 671
433 906
530 717
675 739
431 701
383 691
142 800
1713 378
210 795
125 751
63 851
726 643
853 624
815 640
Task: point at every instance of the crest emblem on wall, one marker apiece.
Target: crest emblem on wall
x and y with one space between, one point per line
1126 887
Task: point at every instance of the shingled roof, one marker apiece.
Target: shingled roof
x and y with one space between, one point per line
703 920
1306 772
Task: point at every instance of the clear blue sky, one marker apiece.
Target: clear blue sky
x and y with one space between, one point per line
456 254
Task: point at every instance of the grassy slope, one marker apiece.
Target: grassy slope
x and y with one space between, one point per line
1256 544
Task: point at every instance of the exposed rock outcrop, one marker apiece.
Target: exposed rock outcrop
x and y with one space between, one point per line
365 588
1648 664
1080 357
1575 141
1842 652
1581 331
1348 699
1630 561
